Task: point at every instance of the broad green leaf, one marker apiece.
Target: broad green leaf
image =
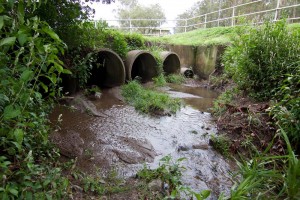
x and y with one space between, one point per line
49 197
66 71
13 191
44 87
11 112
28 195
22 38
19 135
46 182
21 11
1 8
1 22
58 67
26 75
205 193
8 41
51 33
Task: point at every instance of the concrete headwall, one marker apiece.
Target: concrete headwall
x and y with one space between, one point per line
203 59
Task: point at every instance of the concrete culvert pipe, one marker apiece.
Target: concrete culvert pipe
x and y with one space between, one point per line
108 69
171 62
141 64
188 73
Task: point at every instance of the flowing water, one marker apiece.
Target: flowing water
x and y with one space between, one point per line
123 139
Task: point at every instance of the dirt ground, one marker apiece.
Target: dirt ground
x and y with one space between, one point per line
246 123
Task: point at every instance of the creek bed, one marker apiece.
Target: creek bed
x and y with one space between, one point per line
123 139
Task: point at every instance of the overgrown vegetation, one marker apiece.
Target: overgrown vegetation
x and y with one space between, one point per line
263 62
30 72
149 101
170 173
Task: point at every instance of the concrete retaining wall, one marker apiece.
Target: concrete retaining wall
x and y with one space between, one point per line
203 59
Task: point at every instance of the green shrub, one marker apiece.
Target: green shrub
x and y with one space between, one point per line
148 101
260 57
115 40
135 41
30 72
286 111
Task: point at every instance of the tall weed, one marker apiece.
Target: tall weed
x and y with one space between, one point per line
261 57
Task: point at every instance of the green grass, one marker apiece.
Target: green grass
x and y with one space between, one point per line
204 37
175 78
149 101
199 37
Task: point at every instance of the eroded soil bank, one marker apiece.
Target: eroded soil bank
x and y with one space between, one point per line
105 133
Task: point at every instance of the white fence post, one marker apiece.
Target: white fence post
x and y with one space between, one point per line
185 25
205 20
233 15
159 28
130 26
277 9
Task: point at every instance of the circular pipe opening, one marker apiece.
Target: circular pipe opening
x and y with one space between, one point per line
188 73
141 64
108 69
171 62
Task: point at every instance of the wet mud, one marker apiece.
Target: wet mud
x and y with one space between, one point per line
120 138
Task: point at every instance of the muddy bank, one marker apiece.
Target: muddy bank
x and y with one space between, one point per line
120 138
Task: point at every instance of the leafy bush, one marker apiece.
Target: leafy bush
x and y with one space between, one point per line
286 111
30 72
264 61
149 101
135 41
260 58
115 40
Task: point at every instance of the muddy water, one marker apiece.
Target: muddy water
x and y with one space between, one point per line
124 139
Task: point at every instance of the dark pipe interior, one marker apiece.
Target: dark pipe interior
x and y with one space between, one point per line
171 64
107 71
144 66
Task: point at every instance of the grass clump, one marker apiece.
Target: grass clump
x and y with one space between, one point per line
160 80
175 78
148 101
221 143
170 173
268 177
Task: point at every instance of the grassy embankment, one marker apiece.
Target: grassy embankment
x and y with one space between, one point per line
203 37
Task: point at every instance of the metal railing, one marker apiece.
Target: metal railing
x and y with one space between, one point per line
212 19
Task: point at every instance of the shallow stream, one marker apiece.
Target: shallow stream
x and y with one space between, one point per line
123 139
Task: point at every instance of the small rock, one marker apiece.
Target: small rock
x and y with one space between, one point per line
98 95
182 148
155 185
200 146
77 188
